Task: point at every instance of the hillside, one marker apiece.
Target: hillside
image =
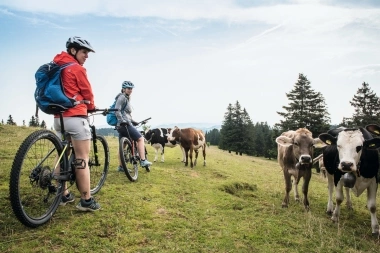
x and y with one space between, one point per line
231 205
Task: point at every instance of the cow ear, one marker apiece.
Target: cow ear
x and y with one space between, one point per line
327 139
372 143
373 129
318 143
284 141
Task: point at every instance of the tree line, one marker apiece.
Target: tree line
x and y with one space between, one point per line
306 108
33 122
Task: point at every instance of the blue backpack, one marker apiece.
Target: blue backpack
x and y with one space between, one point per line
49 91
111 116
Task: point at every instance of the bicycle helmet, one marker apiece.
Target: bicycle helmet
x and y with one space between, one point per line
78 42
127 84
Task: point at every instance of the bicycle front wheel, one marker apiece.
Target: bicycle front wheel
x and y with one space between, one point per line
128 162
99 164
35 192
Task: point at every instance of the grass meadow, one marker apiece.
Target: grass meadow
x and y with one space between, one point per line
231 205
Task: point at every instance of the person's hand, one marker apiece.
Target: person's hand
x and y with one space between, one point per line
134 123
124 124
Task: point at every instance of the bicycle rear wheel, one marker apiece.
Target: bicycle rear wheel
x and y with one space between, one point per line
35 193
128 162
99 168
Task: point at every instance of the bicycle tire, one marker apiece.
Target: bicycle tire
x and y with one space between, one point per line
129 164
98 172
34 193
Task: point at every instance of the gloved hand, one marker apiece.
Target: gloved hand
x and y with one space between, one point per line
134 123
123 124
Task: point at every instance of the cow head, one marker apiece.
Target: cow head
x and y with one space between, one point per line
148 135
174 134
350 145
302 144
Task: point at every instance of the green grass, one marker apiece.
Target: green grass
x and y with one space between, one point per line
231 205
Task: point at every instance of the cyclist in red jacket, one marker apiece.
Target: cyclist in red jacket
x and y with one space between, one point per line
77 86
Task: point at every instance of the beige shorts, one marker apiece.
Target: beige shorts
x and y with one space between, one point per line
77 127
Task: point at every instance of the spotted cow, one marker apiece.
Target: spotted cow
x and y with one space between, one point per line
354 151
157 138
191 140
295 156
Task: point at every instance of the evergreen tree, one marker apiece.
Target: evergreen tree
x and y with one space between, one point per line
37 122
367 108
226 129
247 132
32 122
306 108
10 121
213 136
43 124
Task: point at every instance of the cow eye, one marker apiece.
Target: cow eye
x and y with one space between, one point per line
358 148
295 143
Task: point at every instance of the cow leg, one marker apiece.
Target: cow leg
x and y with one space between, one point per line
191 156
204 154
330 185
156 148
348 197
371 204
186 156
196 157
339 199
305 188
163 154
183 154
288 188
295 189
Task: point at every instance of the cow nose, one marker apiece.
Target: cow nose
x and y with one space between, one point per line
346 166
305 159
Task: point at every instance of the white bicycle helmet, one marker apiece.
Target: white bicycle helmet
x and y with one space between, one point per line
127 84
78 42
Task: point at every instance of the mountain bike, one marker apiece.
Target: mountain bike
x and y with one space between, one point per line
36 188
129 155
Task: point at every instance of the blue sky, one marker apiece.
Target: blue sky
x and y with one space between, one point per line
190 59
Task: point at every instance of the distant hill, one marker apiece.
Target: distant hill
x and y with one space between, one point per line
205 127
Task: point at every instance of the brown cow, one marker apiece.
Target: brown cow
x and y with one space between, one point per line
295 156
191 140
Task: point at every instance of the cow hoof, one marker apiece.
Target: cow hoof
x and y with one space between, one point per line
307 208
375 235
284 206
329 212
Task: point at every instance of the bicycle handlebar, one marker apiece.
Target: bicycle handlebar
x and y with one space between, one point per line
144 120
102 110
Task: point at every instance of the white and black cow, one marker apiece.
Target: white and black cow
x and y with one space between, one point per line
157 137
352 151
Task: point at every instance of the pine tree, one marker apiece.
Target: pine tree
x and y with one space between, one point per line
10 121
367 108
306 108
226 128
43 124
32 122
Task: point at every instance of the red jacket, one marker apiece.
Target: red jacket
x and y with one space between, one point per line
75 83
